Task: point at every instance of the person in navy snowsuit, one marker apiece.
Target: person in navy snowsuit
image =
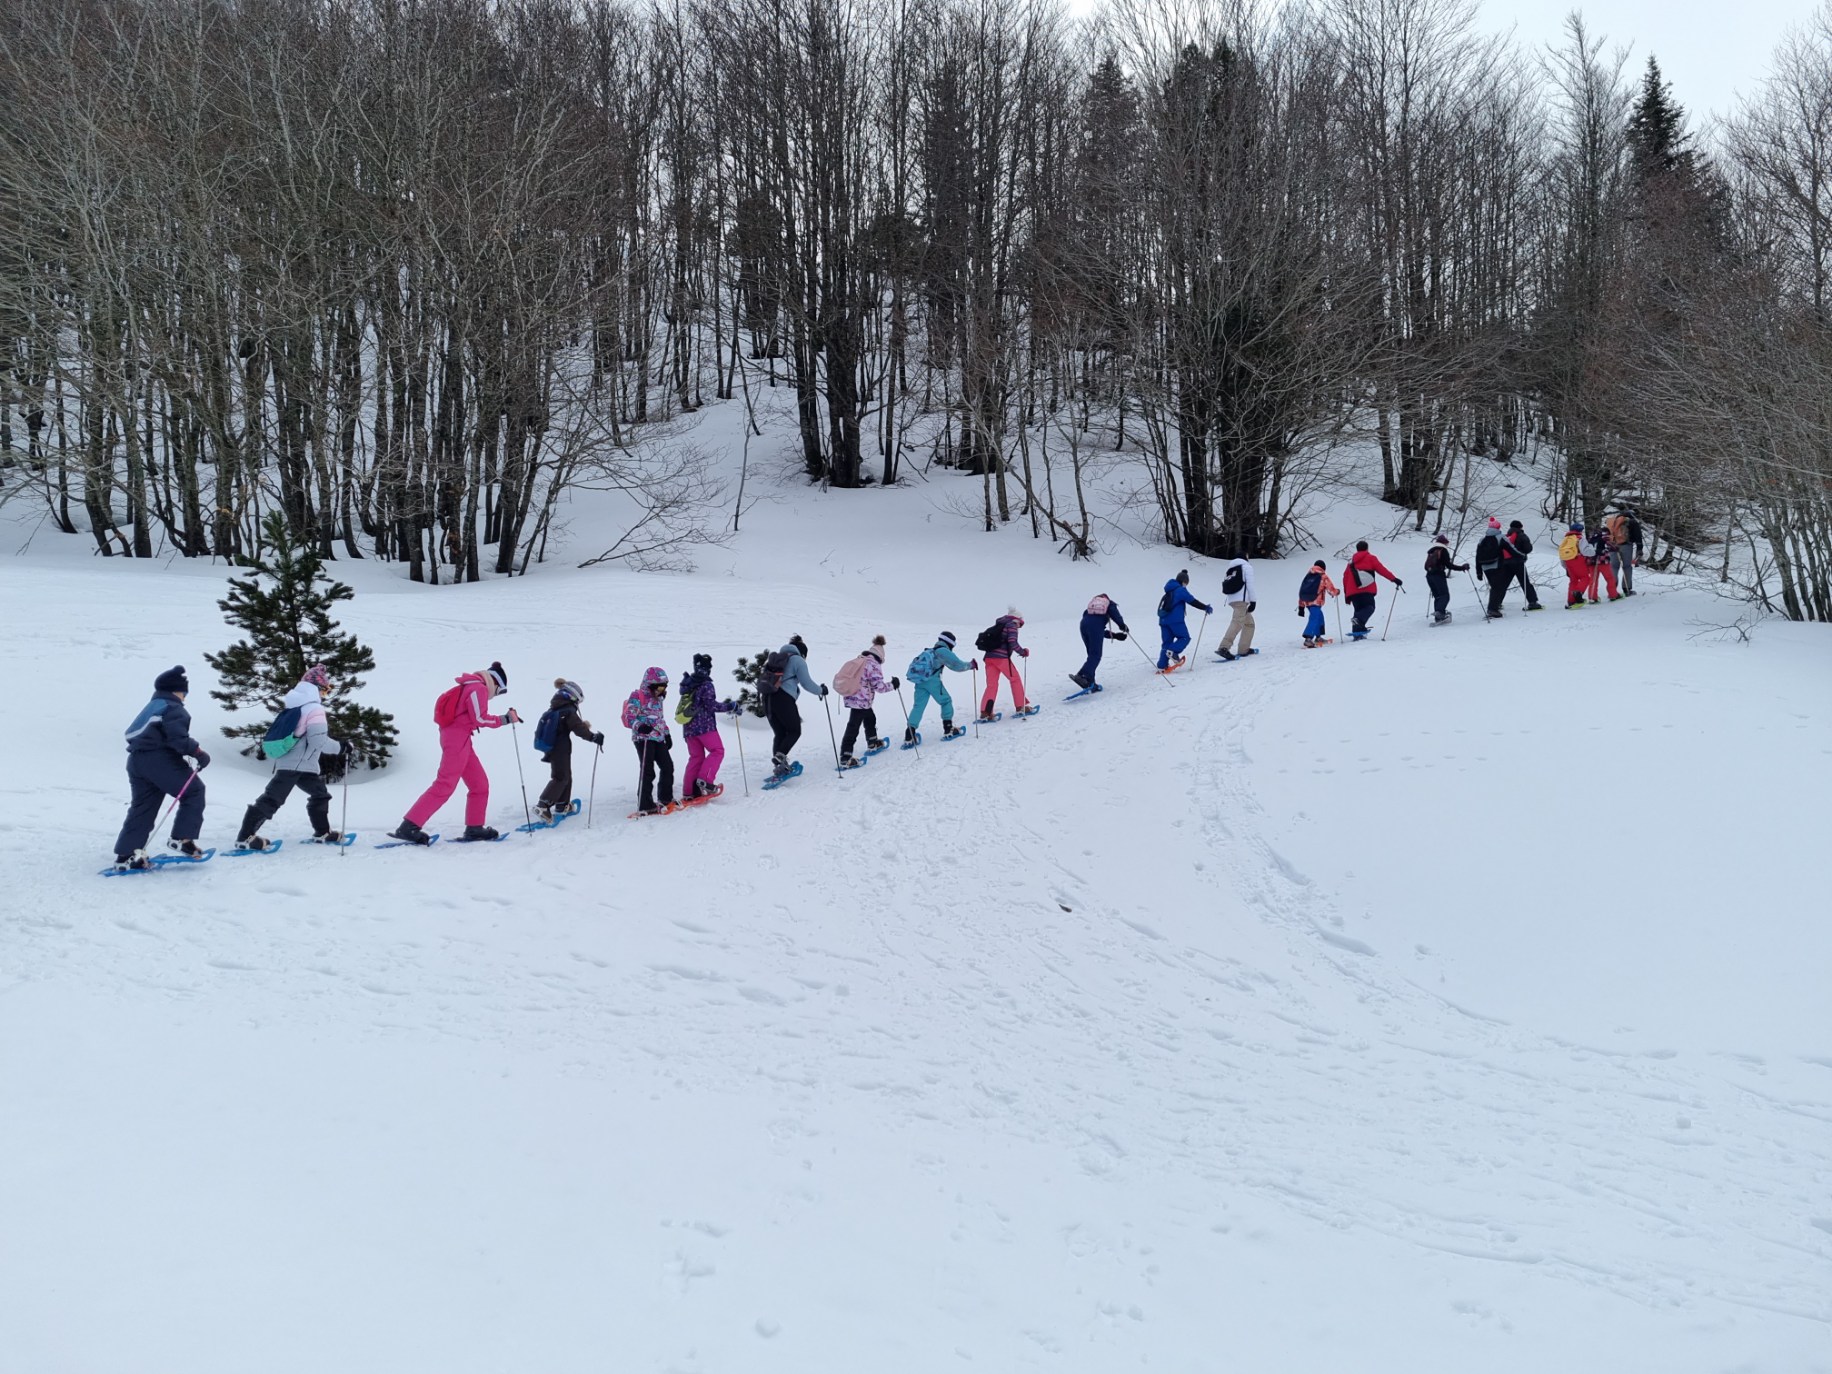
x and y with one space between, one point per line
1101 612
159 744
1173 622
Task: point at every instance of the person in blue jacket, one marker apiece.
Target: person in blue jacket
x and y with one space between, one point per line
784 678
925 680
1173 624
1095 634
159 744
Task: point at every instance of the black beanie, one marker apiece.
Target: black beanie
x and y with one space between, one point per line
172 680
1184 577
702 663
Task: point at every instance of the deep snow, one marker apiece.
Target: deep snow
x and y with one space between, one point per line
1455 1002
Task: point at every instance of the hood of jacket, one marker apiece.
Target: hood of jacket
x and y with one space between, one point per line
305 694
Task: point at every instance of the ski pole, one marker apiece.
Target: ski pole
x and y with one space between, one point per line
906 721
1392 606
592 795
1338 619
173 807
515 738
1196 649
832 738
738 734
1149 664
978 708
343 821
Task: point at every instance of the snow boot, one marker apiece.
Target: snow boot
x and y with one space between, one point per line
328 837
780 764
480 832
409 833
986 716
133 862
875 744
909 732
1081 680
1225 655
189 848
543 814
252 842
849 761
1536 606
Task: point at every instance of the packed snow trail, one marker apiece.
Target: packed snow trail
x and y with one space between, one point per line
1101 1041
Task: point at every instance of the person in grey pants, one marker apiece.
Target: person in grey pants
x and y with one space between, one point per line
1624 532
298 767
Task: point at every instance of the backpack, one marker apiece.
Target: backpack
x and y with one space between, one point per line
1436 558
924 665
852 672
683 711
769 677
547 730
1233 580
1355 580
990 639
445 709
1100 605
1310 587
1164 605
1617 526
283 734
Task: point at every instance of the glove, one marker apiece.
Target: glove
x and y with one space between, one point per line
598 739
203 760
729 704
823 691
513 717
1252 606
896 685
1121 635
1025 652
1399 581
1300 610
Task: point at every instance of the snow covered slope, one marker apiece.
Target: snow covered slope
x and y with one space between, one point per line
1450 1003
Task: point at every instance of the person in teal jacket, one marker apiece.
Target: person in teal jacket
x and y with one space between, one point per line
1173 624
925 679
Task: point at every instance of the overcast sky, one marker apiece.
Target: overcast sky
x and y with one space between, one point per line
1710 54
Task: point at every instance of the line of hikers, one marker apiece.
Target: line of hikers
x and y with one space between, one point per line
163 760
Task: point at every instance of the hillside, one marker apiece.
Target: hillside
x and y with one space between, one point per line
1453 1002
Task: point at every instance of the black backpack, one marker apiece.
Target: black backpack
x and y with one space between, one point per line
1233 580
991 638
769 677
1310 586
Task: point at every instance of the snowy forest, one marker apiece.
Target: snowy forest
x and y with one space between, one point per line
410 271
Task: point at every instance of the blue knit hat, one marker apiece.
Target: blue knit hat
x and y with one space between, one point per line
172 680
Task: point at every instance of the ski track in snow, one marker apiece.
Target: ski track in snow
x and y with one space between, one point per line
1142 983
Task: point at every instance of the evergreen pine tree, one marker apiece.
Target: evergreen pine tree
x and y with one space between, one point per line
747 672
284 605
1657 135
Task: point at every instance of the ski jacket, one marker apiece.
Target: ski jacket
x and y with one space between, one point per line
1104 609
795 675
706 705
1314 588
314 731
1437 560
473 711
1570 547
163 723
1358 576
1515 548
1624 532
570 724
1009 624
871 683
928 664
1488 551
1177 599
1246 592
645 712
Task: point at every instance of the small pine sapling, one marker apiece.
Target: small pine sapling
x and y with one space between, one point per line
747 673
284 606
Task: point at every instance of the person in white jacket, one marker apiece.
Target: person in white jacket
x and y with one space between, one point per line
1237 590
298 766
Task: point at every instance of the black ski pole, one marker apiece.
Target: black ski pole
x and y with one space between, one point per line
343 821
1146 655
906 720
515 738
978 709
591 795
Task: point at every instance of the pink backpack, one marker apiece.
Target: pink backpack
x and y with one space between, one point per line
850 677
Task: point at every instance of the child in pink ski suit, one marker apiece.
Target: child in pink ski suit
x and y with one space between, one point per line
460 713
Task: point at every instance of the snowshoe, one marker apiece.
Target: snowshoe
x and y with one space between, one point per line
479 834
876 746
1081 680
1030 710
409 833
705 792
255 844
782 775
1537 606
1089 690
186 849
912 739
850 761
341 839
136 862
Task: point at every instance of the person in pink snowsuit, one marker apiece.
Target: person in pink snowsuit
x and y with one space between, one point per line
460 712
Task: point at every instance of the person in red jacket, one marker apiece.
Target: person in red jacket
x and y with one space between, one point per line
1358 585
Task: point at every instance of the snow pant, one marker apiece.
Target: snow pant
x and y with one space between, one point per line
655 759
1240 622
785 720
458 762
927 689
704 755
559 790
152 777
279 788
1500 577
1577 580
1176 635
1094 640
1601 571
1439 582
1006 668
1363 602
1622 558
1315 626
861 716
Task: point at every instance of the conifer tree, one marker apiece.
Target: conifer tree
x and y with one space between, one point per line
1657 134
284 605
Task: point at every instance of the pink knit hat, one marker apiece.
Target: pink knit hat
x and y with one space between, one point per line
318 677
1494 523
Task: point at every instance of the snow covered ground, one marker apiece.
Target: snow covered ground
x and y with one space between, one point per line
1456 1002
